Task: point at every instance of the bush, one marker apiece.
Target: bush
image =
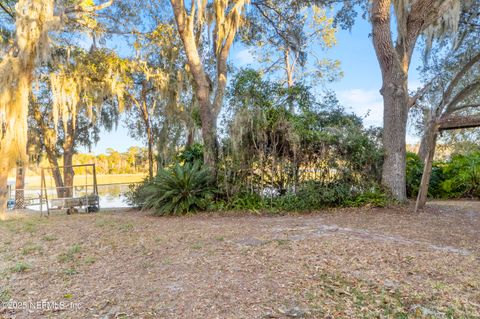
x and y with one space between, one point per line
461 176
311 196
414 174
374 197
179 190
458 177
315 195
247 201
136 195
191 154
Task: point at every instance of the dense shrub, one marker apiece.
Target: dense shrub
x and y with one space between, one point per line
178 190
136 195
458 177
310 196
375 196
192 153
414 174
281 150
278 140
461 176
249 201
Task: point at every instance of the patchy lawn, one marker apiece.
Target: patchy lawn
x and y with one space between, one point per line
349 263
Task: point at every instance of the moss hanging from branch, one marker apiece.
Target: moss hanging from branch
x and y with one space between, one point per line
88 81
34 19
443 24
16 71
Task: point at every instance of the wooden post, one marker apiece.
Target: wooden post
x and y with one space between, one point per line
44 192
447 123
427 172
95 185
20 186
42 177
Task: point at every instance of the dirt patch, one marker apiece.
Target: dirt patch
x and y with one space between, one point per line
350 263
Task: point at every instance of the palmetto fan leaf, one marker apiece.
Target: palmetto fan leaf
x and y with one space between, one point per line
180 190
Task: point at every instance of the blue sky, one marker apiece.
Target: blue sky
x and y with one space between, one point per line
358 90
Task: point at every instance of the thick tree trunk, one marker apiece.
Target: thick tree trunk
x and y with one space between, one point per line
20 186
395 99
209 129
394 63
4 168
68 172
16 72
49 137
190 136
208 110
55 171
68 150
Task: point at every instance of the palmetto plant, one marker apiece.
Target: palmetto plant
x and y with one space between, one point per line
180 190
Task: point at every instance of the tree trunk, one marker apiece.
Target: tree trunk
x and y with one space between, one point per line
209 131
203 87
49 137
16 74
288 68
394 63
190 136
422 148
431 142
68 172
55 170
395 99
148 128
428 136
20 186
150 151
4 168
68 146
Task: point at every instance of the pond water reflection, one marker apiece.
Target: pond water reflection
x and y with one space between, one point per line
111 195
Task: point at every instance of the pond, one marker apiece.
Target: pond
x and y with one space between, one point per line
111 195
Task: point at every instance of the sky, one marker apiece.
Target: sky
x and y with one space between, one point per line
357 90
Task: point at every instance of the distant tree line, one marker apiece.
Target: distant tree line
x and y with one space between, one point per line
133 161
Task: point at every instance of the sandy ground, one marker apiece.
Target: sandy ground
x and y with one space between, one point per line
346 263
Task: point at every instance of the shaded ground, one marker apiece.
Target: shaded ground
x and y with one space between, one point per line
355 263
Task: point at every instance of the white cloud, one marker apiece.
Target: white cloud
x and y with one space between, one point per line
243 57
365 103
414 85
369 105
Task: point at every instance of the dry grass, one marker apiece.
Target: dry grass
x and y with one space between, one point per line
360 263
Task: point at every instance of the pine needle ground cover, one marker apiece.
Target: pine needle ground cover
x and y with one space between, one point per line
347 263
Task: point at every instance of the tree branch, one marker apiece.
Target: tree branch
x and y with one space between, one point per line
459 76
459 122
466 106
462 95
419 94
7 10
83 9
